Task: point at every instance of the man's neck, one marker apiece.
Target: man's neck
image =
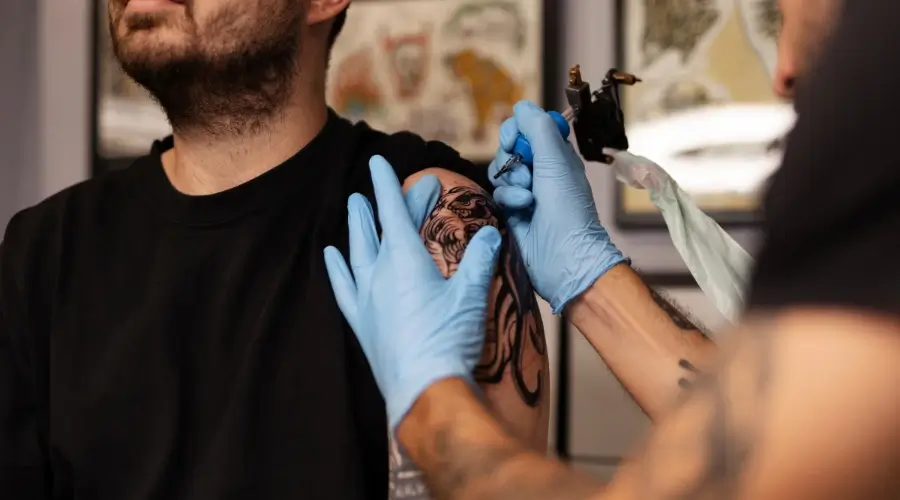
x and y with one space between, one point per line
203 163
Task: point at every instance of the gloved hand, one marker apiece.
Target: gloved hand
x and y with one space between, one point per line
415 326
551 210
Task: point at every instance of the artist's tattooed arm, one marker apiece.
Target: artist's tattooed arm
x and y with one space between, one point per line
513 370
679 317
652 346
778 416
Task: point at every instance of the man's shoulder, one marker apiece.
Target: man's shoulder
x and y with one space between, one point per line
36 230
410 153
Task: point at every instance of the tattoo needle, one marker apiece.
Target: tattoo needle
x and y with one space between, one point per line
522 152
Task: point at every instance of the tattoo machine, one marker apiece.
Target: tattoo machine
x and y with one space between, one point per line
596 117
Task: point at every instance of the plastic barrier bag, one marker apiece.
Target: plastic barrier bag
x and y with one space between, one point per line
720 266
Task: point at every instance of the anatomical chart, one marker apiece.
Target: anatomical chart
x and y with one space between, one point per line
705 111
448 70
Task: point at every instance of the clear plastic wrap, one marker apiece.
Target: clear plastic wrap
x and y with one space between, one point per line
720 266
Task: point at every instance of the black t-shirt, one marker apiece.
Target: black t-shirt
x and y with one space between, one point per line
155 345
833 209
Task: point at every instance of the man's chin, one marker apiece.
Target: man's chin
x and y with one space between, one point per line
151 43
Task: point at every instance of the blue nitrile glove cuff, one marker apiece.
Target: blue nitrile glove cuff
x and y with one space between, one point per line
611 258
406 392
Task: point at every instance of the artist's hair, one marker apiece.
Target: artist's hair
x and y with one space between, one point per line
336 28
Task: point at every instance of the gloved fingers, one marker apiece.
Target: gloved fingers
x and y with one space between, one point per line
518 222
476 270
539 128
364 244
508 133
396 223
342 284
520 175
513 198
421 198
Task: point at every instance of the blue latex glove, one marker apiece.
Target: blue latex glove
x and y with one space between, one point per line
550 210
415 326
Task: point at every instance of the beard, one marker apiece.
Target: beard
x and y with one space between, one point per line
226 76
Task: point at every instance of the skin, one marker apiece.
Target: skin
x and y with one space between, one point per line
806 24
727 422
243 85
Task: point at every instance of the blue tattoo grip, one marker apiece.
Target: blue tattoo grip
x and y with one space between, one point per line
523 148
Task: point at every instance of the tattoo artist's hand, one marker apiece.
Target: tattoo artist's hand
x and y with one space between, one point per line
551 210
415 326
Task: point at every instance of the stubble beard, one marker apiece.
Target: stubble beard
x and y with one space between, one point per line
229 78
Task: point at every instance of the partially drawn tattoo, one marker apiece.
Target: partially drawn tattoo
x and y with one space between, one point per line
725 410
680 318
513 326
513 333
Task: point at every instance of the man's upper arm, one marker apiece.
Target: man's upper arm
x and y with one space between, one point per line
23 468
513 370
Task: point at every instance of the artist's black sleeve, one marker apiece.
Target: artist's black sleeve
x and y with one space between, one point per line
832 234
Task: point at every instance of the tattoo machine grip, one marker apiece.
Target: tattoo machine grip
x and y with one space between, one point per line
522 152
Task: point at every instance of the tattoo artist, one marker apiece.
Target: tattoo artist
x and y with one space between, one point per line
802 401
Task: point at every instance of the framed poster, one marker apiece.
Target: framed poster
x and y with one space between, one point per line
448 70
705 111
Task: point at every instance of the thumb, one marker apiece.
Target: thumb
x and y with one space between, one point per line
540 129
421 198
478 263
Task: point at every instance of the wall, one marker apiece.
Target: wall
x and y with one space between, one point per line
44 99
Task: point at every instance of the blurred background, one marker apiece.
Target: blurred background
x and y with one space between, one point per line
705 113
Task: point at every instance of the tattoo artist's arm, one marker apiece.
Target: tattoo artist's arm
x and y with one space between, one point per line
467 454
513 372
802 404
653 348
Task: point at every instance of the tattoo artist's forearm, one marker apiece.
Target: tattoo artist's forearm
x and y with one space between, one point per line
649 345
679 317
467 455
715 429
514 338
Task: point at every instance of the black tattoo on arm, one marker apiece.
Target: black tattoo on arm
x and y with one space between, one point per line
688 366
718 425
679 317
514 338
514 330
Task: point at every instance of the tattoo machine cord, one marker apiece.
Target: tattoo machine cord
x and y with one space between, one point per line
596 117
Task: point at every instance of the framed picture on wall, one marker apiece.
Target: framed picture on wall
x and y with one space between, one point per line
448 70
705 110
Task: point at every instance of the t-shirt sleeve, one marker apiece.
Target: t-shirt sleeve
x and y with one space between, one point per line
409 153
832 233
23 469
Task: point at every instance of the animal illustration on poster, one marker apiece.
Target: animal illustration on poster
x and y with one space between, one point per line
448 70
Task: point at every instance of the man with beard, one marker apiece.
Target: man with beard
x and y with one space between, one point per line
167 331
801 404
